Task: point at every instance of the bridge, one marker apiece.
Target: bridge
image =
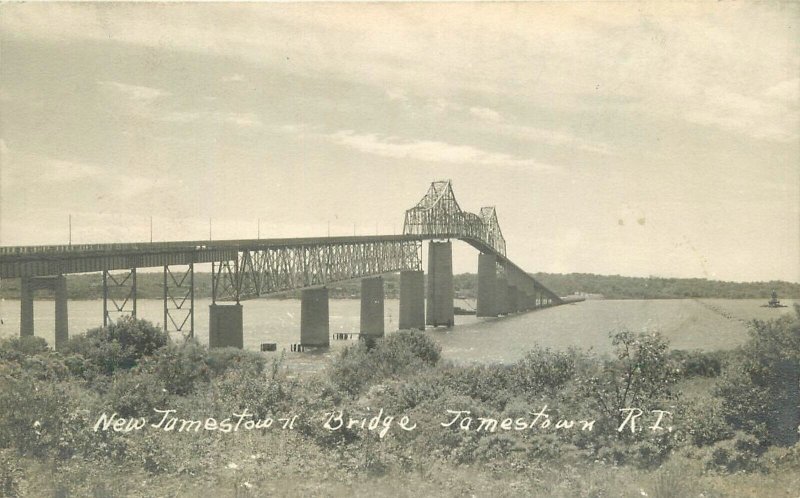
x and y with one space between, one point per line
253 268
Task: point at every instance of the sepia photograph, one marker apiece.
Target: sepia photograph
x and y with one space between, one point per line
400 249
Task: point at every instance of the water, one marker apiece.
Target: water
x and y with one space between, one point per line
708 324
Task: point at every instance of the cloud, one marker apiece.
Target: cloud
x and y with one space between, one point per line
134 92
429 151
60 171
788 91
757 117
244 120
181 116
396 94
555 138
485 114
233 78
247 120
523 132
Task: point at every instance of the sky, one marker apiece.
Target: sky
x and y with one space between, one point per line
640 139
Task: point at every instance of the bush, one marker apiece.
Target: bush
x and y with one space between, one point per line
121 345
704 423
136 394
490 384
36 415
698 363
734 455
13 347
222 359
404 351
544 370
262 395
760 390
641 376
180 367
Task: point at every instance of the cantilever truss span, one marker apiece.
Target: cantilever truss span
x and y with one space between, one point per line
438 215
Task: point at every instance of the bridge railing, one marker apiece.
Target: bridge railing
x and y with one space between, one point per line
77 248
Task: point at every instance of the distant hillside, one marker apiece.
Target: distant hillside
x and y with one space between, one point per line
89 286
617 287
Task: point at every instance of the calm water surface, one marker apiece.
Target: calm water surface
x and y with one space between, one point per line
689 324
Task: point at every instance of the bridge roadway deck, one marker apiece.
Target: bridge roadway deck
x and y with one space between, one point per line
36 261
33 261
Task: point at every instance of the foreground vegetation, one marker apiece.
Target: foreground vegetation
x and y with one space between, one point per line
732 426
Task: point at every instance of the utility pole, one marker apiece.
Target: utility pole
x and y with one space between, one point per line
259 228
209 228
70 229
151 232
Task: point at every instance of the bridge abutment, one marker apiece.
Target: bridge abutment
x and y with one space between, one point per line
314 318
440 284
372 307
412 300
487 284
225 326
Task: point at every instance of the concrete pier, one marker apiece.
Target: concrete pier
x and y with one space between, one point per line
412 300
26 307
501 295
372 307
513 299
225 326
28 288
62 315
487 284
440 284
314 318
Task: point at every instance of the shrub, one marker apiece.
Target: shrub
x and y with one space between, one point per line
222 359
486 383
121 345
262 395
12 347
698 363
543 369
733 455
180 367
704 423
135 394
404 351
641 376
760 390
31 412
417 343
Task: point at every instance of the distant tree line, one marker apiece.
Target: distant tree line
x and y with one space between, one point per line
150 286
618 287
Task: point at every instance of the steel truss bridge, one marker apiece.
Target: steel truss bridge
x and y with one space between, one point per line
253 268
